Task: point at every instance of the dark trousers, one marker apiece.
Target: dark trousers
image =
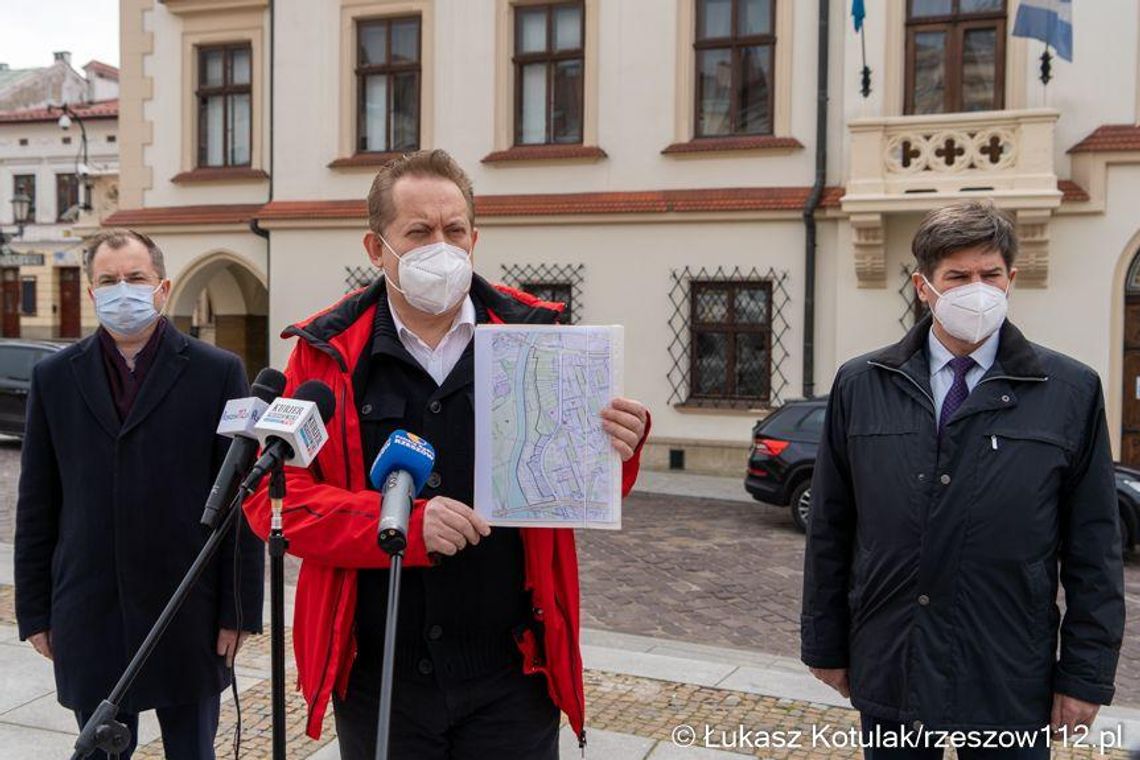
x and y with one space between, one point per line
1039 750
505 715
188 731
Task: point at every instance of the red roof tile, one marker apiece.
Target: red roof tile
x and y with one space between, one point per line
1071 192
1109 137
103 109
212 214
105 69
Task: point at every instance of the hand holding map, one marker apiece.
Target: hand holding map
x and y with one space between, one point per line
542 455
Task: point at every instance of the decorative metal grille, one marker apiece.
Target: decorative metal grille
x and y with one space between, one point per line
915 309
680 324
358 277
539 279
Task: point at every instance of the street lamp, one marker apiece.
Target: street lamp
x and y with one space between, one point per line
66 117
21 205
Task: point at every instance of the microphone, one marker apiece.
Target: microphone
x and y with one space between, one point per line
399 473
292 430
238 421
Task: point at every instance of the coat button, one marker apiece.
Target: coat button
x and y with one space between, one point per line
922 476
425 667
433 480
923 600
944 480
435 633
435 407
1005 399
366 409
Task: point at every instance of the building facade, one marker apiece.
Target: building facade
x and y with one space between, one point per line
649 160
68 179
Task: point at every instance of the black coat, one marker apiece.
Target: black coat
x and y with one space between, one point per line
931 570
108 523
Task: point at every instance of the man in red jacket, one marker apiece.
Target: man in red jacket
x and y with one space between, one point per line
487 647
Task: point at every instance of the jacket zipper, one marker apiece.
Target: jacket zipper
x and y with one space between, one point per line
910 379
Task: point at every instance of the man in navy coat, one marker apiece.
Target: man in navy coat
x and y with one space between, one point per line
119 456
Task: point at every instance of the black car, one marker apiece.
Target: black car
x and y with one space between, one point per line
784 446
17 357
780 464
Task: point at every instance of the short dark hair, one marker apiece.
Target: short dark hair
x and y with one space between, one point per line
422 163
115 239
968 224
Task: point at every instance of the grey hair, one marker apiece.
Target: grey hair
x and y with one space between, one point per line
115 239
968 224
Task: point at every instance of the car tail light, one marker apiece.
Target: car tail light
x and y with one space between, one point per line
771 446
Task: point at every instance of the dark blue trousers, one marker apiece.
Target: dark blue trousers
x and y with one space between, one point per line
1038 751
188 731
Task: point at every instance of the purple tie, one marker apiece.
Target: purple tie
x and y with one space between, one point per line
958 390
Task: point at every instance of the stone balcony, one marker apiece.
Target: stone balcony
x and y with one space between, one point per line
915 163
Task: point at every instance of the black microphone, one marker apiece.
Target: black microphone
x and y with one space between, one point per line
238 421
292 430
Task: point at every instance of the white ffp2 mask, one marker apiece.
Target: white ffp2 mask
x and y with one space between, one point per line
434 277
971 312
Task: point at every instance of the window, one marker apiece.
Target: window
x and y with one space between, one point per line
225 126
111 138
66 194
16 362
558 292
549 64
734 50
26 184
388 90
731 340
28 296
955 53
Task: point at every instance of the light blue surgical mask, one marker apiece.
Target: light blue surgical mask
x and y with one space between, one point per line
125 308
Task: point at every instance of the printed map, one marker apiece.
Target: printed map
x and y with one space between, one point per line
542 457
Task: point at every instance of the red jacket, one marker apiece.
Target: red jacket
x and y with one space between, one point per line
330 520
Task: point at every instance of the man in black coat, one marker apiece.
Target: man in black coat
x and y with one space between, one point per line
961 470
118 459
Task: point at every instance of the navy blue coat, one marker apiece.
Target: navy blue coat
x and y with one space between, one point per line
931 568
107 523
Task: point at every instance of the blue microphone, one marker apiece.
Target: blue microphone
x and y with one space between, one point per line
399 473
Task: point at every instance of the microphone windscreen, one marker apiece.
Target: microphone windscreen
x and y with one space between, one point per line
403 451
268 385
321 395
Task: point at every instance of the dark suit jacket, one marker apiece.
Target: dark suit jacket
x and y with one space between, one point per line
107 523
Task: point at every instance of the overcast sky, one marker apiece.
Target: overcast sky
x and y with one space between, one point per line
31 30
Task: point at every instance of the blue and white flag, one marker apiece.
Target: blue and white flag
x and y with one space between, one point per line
858 12
1050 21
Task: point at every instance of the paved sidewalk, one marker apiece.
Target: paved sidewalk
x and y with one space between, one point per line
647 698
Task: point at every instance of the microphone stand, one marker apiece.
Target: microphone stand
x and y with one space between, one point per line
277 546
102 731
392 539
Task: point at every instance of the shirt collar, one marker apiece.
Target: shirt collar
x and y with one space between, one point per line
984 355
465 317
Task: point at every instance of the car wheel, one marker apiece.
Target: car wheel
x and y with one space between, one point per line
801 505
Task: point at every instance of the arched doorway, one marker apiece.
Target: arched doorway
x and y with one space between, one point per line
221 300
1130 407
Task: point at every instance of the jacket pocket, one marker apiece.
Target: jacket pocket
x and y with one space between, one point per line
1041 601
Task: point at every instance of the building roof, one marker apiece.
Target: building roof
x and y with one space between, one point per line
105 70
10 76
103 109
1110 137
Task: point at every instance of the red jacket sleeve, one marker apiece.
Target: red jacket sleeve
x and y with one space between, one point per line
325 523
632 467
333 526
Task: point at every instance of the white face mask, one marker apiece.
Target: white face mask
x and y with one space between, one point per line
434 277
973 312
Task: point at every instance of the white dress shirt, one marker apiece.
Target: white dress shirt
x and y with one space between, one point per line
942 374
440 361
